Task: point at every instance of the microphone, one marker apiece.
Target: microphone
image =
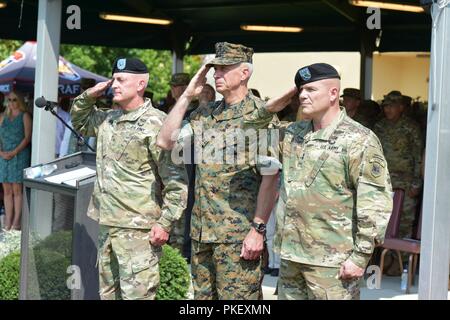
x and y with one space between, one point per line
43 103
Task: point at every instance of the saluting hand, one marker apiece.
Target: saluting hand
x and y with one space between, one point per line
279 103
158 236
197 82
98 90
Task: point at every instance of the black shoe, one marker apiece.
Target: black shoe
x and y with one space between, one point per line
275 272
267 270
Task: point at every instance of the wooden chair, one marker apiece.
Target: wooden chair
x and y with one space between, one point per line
407 245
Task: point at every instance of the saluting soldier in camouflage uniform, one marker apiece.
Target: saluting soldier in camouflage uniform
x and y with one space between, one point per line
402 143
231 207
134 222
335 197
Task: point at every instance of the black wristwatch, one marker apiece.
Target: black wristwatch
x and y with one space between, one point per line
259 227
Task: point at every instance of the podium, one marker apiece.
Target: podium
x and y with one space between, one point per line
59 240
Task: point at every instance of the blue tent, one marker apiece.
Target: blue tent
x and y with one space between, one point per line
17 72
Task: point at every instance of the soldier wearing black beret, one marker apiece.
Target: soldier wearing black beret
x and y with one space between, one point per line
134 222
335 196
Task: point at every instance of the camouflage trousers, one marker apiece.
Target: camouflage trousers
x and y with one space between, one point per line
176 239
219 273
127 263
307 282
407 217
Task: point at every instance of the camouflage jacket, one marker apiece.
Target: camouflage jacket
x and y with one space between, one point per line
362 119
225 192
403 146
131 169
335 196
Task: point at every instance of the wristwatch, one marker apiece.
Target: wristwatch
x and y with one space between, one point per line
259 227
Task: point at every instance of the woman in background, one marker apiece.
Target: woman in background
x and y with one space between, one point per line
15 137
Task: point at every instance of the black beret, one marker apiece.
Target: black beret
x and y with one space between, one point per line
129 65
315 72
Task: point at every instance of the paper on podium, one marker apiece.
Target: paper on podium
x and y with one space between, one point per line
71 177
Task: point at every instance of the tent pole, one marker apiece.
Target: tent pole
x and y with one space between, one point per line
177 63
435 243
44 124
366 66
46 79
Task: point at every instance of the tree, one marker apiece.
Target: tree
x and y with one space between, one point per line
7 47
100 60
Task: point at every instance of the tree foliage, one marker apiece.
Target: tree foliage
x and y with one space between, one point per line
100 59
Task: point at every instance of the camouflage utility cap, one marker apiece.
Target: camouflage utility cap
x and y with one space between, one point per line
180 79
407 100
352 93
230 53
392 97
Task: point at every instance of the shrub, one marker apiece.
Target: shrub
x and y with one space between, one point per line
60 242
174 275
52 256
51 270
9 276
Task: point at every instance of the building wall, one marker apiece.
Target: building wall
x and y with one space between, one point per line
274 72
408 72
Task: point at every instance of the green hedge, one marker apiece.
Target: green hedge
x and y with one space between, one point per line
52 256
9 276
174 275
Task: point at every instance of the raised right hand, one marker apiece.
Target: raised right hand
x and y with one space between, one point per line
197 82
98 90
279 103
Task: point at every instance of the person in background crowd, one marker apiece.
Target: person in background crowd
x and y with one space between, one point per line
63 112
403 147
15 155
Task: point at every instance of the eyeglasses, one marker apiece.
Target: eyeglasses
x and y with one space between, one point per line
12 100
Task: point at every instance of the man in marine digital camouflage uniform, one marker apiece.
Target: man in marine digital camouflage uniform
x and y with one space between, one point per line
231 206
402 143
335 197
134 223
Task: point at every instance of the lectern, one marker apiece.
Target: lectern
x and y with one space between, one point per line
59 241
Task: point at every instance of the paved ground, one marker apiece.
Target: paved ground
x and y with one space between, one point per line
389 290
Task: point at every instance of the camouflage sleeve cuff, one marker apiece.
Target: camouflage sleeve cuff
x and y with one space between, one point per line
87 99
165 224
268 166
258 119
360 259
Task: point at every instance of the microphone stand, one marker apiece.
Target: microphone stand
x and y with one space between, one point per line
81 140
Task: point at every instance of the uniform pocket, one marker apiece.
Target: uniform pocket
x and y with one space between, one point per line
143 261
